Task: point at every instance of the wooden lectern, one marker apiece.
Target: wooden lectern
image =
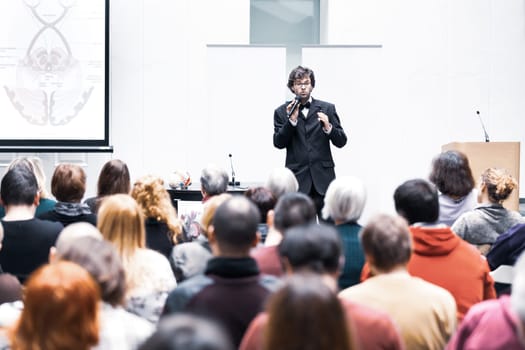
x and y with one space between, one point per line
483 155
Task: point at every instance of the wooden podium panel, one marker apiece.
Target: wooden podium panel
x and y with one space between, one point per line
483 155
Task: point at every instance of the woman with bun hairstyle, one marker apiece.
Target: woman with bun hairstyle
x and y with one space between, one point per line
482 226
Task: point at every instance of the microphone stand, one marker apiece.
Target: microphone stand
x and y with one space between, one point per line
233 183
483 126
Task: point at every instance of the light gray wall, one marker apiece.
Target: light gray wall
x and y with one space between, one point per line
439 62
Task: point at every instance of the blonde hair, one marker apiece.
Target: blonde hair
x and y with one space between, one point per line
209 208
499 182
120 220
153 198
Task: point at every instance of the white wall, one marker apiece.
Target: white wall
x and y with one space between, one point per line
440 61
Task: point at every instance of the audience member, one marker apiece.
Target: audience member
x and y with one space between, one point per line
495 324
35 164
265 201
306 314
214 181
162 225
60 310
508 247
281 181
148 273
231 290
438 250
452 176
482 226
10 287
113 178
68 185
188 332
191 258
119 329
316 249
425 313
27 240
292 209
344 203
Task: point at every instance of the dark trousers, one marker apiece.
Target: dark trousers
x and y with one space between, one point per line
318 200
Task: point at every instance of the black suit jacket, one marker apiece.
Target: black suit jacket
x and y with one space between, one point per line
308 153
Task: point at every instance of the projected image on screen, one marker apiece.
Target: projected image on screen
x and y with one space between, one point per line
52 70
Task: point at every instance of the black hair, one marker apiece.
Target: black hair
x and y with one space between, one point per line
19 186
417 201
317 248
292 209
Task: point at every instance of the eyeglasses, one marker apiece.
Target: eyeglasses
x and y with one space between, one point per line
302 83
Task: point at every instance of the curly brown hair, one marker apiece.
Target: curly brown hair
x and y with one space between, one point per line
153 198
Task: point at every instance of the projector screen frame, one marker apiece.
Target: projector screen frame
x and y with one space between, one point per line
76 144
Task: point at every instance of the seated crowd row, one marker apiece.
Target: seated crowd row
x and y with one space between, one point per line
258 271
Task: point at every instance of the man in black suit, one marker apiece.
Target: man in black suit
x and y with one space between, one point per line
306 132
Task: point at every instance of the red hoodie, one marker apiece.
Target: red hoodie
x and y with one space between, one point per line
442 258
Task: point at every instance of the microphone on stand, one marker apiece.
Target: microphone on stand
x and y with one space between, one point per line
483 126
233 182
296 103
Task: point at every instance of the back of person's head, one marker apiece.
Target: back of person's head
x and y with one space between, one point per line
35 164
386 240
451 174
60 309
345 199
300 72
113 178
68 183
120 220
153 198
100 258
306 314
74 231
293 209
214 180
209 208
19 186
417 201
312 247
281 181
517 297
188 332
499 183
263 198
235 224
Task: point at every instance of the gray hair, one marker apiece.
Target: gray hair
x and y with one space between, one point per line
281 181
345 199
74 231
214 180
517 297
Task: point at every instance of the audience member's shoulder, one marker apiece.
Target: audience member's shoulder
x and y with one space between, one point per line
433 290
385 332
48 226
179 297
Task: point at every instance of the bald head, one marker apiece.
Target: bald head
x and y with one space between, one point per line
235 224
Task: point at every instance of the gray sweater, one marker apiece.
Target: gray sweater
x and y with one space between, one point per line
485 223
